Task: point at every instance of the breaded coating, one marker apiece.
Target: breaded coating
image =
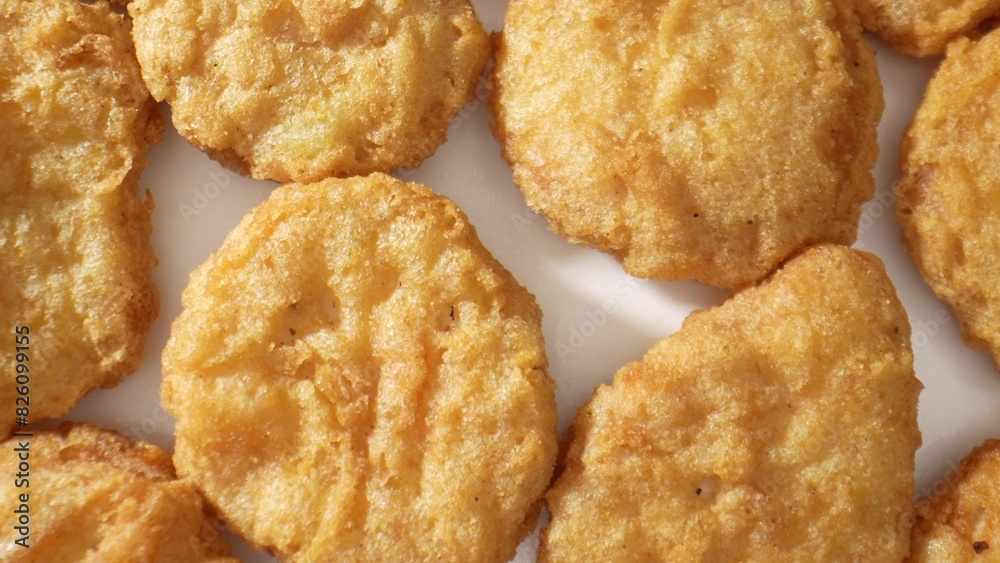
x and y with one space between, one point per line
355 378
948 200
779 426
690 139
302 90
74 229
922 28
94 495
960 522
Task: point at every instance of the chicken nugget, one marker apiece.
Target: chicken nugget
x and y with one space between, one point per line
779 426
303 90
690 138
76 297
960 521
922 28
86 494
948 200
355 378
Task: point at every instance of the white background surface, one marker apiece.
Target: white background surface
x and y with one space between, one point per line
198 202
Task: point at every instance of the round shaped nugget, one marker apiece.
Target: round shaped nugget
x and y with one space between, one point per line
94 495
307 89
960 521
355 378
74 230
690 139
779 426
921 28
948 201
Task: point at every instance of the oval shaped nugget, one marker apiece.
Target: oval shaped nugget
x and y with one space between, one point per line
306 89
94 495
779 426
690 138
948 200
960 521
922 28
74 230
355 378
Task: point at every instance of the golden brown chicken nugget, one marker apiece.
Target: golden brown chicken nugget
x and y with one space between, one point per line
306 89
86 494
779 426
74 230
690 138
921 28
355 378
960 521
948 201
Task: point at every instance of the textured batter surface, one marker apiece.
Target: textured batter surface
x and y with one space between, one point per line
779 426
355 378
961 522
690 138
74 230
94 495
948 200
924 27
306 89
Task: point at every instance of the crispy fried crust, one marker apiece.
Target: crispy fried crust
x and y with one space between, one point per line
690 139
306 89
355 378
922 28
961 521
94 495
74 230
948 201
779 426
